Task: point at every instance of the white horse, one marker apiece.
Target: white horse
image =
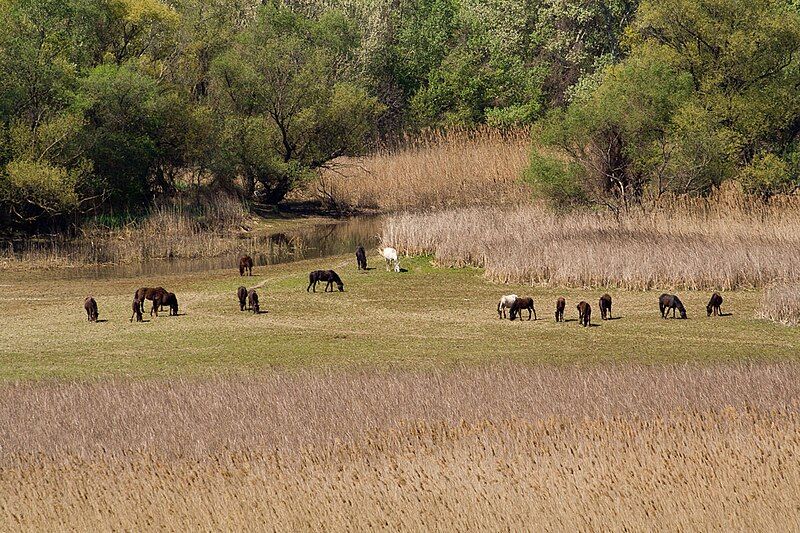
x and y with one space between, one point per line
390 254
505 303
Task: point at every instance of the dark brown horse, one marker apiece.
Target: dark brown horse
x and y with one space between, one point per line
246 263
584 314
137 310
91 308
714 305
252 300
605 306
328 276
361 258
520 304
561 304
149 293
670 301
169 299
241 293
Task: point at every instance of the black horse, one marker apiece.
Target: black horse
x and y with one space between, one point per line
252 300
561 303
328 276
241 293
670 301
714 305
605 306
361 258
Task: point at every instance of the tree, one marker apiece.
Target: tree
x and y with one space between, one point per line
286 101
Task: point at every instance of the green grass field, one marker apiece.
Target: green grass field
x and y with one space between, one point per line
425 317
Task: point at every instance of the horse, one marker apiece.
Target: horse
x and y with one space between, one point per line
670 301
170 300
605 306
241 293
137 310
246 263
714 305
148 293
584 314
328 276
561 303
505 303
361 258
252 300
520 304
390 254
91 308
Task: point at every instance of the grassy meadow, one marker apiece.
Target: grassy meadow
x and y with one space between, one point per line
425 317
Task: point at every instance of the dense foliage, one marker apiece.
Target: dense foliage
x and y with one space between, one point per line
107 104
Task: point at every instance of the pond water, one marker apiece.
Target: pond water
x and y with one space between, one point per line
310 242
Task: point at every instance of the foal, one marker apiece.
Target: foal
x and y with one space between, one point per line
714 305
605 306
561 303
390 254
252 299
520 304
241 293
584 314
137 310
505 303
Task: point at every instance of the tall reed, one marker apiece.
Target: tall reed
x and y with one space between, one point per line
781 303
725 242
456 167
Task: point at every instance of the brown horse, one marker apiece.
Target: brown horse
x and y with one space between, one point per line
169 299
605 306
714 305
91 308
252 300
561 304
137 310
149 293
246 263
670 301
584 314
241 293
520 304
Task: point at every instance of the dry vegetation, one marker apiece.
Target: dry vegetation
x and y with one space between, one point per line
434 170
493 447
727 241
782 304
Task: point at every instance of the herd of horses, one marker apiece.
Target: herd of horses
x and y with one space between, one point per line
516 305
666 303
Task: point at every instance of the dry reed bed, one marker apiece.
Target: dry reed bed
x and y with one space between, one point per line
457 167
781 303
701 245
599 448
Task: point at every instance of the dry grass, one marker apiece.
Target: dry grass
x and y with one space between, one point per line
434 170
781 303
725 242
493 447
166 232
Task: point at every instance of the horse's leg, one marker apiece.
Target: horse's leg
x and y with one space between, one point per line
534 314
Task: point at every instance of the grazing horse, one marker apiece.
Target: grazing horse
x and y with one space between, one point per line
137 310
584 314
561 303
241 293
328 276
168 299
91 308
246 263
714 305
505 303
520 304
605 306
252 300
390 254
361 258
148 293
670 301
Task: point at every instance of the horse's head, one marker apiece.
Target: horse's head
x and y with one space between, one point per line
682 309
708 310
340 286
